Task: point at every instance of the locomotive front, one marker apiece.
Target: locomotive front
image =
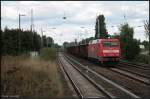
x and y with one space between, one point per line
109 50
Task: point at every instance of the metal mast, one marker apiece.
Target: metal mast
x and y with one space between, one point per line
31 20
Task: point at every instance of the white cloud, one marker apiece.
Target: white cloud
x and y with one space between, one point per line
27 3
9 12
78 13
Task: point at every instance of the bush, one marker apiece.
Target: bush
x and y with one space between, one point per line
129 46
141 59
29 41
133 50
48 54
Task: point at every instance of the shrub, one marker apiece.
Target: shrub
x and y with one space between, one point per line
48 54
141 58
133 50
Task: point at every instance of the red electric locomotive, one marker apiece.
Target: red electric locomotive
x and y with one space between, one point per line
104 50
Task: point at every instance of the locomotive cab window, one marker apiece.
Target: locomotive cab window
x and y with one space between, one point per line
110 44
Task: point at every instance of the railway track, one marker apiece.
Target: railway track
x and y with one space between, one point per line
83 87
130 69
140 75
130 80
134 71
130 64
105 84
132 75
139 64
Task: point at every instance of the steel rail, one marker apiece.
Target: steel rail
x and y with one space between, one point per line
131 76
106 79
133 65
93 82
139 64
124 69
71 80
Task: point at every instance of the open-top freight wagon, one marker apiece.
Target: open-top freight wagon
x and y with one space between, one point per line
103 50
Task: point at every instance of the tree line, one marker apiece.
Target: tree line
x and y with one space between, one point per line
16 42
129 45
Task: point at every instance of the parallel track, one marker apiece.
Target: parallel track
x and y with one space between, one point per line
77 88
72 82
131 71
129 64
104 78
131 75
139 64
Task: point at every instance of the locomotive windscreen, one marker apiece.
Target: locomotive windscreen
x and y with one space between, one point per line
110 44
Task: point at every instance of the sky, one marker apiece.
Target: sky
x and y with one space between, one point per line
80 17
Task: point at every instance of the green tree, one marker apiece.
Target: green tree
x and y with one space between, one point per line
44 41
146 44
50 41
129 46
36 41
65 44
10 41
29 41
55 45
100 26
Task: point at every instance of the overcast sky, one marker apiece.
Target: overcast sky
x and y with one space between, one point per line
48 14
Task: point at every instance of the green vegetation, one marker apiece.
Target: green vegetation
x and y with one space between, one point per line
146 44
47 41
100 27
48 54
32 77
129 46
65 44
141 59
29 41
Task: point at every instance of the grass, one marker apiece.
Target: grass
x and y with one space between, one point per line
31 77
48 54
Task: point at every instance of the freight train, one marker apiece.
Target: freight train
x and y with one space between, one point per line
102 50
